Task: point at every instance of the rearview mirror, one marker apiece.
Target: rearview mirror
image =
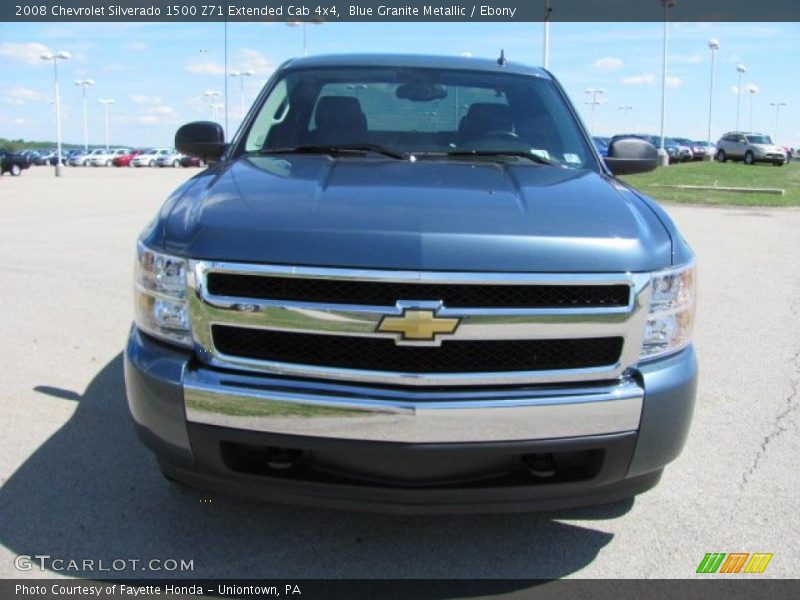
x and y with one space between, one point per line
203 139
630 155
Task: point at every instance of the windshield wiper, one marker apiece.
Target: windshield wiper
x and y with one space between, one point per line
335 149
501 153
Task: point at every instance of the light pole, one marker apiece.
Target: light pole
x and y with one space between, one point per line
241 75
214 108
548 9
106 102
667 4
741 69
753 91
83 84
777 106
594 93
302 25
625 108
713 45
211 95
63 55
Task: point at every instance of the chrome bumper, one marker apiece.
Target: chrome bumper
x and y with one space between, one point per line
344 412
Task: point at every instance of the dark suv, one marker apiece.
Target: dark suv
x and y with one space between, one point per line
13 163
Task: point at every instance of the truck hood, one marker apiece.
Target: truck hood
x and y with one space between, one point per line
423 215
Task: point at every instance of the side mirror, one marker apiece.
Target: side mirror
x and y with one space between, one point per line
629 155
203 139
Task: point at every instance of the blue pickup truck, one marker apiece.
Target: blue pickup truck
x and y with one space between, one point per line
410 283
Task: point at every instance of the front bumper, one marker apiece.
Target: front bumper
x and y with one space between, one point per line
420 450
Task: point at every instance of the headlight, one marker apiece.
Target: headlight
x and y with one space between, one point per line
160 296
671 317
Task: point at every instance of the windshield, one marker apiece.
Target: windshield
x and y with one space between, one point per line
422 111
759 139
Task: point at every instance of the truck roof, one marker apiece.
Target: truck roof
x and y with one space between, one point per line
414 60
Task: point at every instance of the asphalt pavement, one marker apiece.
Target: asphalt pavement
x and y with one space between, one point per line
75 483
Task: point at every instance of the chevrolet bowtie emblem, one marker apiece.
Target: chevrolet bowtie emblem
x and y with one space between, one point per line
419 325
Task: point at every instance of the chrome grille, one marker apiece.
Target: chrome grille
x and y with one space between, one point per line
591 332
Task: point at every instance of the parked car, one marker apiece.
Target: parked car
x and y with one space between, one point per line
192 161
149 158
49 158
106 159
126 160
170 160
13 163
601 143
685 153
355 310
699 150
749 147
83 159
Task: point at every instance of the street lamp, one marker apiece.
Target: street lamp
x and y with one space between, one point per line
625 108
241 75
594 93
302 25
211 95
777 106
667 4
214 107
106 102
753 89
83 84
713 45
741 69
548 9
63 55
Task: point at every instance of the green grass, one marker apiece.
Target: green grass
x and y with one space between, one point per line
727 174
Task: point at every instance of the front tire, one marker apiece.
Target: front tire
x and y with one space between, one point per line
108 163
749 158
721 157
176 163
152 163
15 170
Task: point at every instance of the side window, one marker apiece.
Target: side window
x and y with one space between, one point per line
272 114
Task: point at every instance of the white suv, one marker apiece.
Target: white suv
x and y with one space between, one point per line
749 147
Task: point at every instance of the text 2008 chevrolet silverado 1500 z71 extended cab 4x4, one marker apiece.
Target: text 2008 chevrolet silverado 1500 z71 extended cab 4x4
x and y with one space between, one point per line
410 283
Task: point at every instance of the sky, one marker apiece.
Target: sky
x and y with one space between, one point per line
157 72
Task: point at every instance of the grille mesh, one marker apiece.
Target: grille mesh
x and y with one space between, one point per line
378 354
387 293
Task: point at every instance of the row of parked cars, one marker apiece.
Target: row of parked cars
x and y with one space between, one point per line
100 157
748 147
127 157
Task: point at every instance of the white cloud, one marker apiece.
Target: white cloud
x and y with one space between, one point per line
145 99
466 54
674 82
643 79
28 53
206 68
255 61
689 59
147 120
163 110
20 95
248 60
136 46
608 63
735 90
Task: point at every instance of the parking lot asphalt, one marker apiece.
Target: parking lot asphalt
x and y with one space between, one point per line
76 483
